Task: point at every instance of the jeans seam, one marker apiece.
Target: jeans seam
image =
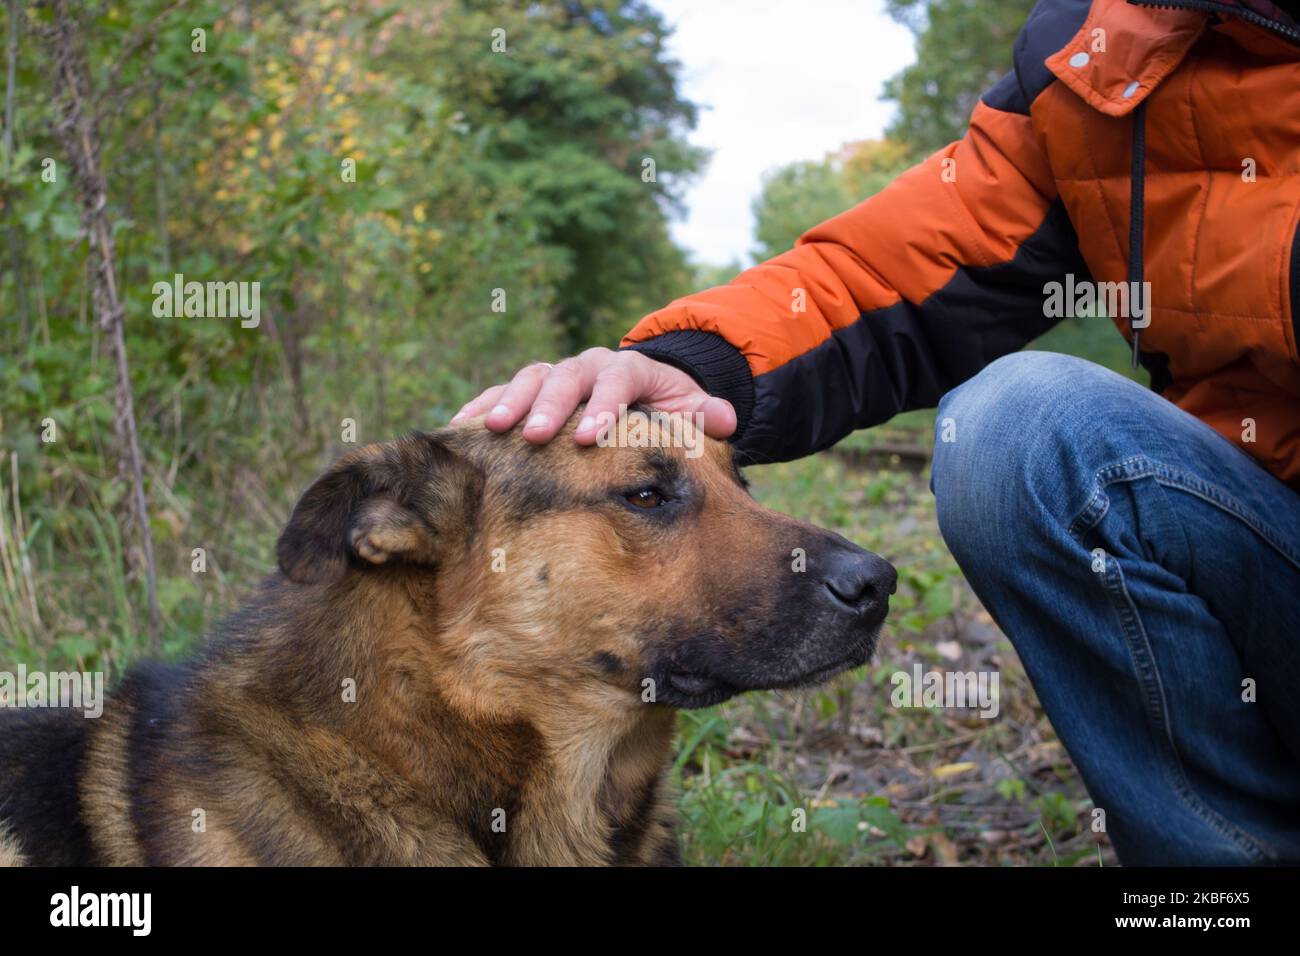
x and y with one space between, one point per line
1140 466
1135 637
1148 676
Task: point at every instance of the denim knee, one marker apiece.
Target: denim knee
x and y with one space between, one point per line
1008 443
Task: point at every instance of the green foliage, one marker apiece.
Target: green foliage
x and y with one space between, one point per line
750 813
580 118
799 196
963 47
482 179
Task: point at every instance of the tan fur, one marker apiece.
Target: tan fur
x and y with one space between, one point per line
10 852
105 791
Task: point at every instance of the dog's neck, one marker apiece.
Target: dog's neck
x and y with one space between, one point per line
507 767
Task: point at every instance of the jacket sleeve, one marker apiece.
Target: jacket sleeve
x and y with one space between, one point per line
887 306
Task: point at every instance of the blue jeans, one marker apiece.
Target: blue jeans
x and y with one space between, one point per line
1148 573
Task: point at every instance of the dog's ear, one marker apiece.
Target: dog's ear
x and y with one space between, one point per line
403 500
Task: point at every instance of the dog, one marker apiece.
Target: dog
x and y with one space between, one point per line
472 653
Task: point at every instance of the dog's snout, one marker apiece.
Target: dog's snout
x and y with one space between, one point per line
860 580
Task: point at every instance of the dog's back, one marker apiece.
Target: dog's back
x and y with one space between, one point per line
61 773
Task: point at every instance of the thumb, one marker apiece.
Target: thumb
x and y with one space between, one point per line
718 415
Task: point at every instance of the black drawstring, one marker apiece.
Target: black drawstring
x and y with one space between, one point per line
1136 208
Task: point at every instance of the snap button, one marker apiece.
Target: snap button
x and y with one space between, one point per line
1079 59
1130 89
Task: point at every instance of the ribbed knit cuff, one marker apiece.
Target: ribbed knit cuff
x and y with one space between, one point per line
711 360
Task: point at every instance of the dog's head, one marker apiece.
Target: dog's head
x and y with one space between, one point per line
640 568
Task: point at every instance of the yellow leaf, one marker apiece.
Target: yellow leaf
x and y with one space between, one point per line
952 769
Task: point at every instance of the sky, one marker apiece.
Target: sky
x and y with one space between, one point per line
779 81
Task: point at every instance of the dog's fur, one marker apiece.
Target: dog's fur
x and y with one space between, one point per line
503 612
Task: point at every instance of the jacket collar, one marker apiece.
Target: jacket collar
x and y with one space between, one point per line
1123 51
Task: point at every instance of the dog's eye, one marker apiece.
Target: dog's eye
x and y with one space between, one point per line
644 498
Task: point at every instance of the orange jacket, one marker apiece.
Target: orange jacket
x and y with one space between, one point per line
1180 127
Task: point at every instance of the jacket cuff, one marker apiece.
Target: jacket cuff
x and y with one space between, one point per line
711 360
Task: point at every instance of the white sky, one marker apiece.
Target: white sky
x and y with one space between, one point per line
780 81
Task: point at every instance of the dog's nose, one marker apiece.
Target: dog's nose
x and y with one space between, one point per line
860 580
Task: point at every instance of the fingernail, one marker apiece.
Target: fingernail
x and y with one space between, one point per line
457 417
587 424
538 421
500 410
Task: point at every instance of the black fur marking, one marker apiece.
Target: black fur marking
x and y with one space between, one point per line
159 696
626 836
526 496
41 752
500 761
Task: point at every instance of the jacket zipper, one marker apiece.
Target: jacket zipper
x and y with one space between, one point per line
1209 6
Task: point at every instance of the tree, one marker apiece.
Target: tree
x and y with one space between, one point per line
384 177
963 47
799 196
579 112
77 125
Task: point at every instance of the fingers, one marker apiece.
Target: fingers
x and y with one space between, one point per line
608 381
562 389
480 405
618 383
513 403
719 417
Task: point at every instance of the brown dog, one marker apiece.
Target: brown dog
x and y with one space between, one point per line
473 654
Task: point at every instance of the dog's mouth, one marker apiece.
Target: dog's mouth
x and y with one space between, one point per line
691 689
